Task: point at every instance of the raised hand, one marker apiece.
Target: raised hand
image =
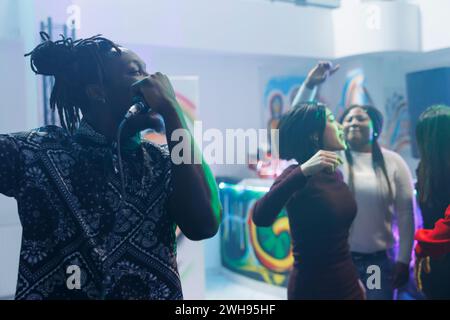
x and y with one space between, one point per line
157 92
320 73
322 160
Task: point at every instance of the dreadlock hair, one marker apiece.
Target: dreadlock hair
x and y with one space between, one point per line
74 64
297 128
378 162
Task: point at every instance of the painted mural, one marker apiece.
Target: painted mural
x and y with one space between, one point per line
278 96
354 91
262 254
396 135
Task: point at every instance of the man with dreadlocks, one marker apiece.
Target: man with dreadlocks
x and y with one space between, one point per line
68 188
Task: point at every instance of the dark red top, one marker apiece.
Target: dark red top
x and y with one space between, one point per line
321 209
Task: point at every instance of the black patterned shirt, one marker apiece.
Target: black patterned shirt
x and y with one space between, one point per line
68 192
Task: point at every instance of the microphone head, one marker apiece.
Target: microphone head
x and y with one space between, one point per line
139 107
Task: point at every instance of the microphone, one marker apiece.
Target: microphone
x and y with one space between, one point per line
139 107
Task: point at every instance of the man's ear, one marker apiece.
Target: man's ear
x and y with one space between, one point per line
96 93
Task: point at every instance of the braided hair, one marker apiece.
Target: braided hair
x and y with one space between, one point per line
378 162
74 64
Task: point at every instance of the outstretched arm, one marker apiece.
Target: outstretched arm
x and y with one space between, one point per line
309 88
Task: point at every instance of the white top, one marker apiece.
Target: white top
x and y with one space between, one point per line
371 230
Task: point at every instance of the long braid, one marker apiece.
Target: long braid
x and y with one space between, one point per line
379 163
351 182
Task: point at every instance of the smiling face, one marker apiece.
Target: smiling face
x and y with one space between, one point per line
358 128
333 135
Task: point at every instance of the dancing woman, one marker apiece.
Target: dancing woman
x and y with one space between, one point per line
319 204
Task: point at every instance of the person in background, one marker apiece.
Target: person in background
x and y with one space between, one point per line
434 242
319 204
433 191
382 185
431 243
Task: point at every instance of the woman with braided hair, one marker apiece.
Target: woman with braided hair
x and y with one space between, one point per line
116 240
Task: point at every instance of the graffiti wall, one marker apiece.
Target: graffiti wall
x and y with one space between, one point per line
262 254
